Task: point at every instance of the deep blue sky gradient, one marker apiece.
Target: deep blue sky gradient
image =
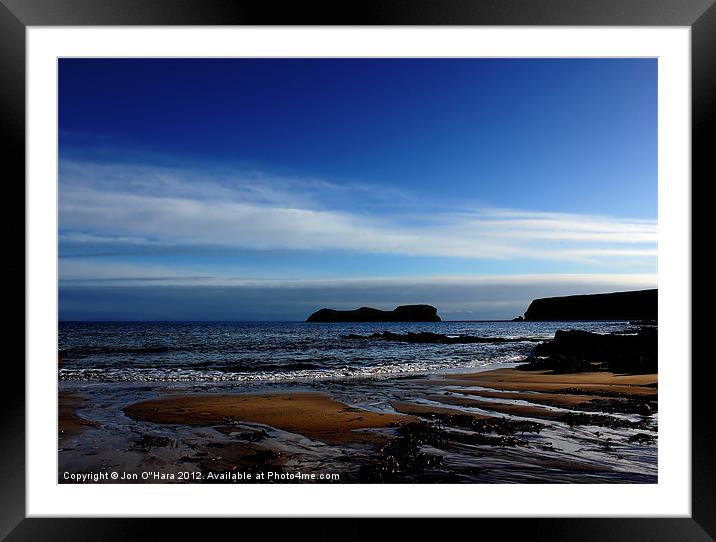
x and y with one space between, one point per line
573 135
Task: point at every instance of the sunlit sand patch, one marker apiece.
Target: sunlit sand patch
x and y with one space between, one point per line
590 383
314 415
417 409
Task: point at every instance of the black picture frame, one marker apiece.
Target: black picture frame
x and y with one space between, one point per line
699 15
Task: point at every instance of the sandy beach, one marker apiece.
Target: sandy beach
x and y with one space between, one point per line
314 415
516 425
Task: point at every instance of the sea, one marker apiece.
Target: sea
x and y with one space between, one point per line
107 366
287 351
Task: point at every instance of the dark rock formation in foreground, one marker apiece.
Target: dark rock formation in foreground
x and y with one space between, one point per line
576 351
437 338
404 313
636 305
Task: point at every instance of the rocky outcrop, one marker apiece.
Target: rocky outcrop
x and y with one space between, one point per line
635 305
573 351
404 313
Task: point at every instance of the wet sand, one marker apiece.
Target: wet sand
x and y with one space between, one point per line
540 398
588 383
318 416
313 415
427 410
572 379
504 425
70 424
502 408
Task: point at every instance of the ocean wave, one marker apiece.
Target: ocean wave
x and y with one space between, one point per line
253 367
285 373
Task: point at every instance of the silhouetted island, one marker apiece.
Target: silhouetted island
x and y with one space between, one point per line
634 305
404 313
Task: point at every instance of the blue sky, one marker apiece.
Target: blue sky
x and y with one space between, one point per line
337 181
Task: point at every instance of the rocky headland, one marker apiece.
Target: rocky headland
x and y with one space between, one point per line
634 305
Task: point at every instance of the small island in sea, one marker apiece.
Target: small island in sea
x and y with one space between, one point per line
404 313
561 402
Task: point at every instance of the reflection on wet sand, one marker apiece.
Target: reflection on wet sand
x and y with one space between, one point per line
504 425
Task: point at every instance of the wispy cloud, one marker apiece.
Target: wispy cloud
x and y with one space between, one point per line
140 204
244 185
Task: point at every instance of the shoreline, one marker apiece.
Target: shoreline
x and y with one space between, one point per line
515 424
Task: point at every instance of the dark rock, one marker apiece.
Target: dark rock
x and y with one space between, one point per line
601 420
642 438
578 351
500 426
636 305
146 442
622 406
404 313
643 323
404 458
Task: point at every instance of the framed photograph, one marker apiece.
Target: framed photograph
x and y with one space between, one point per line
417 262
